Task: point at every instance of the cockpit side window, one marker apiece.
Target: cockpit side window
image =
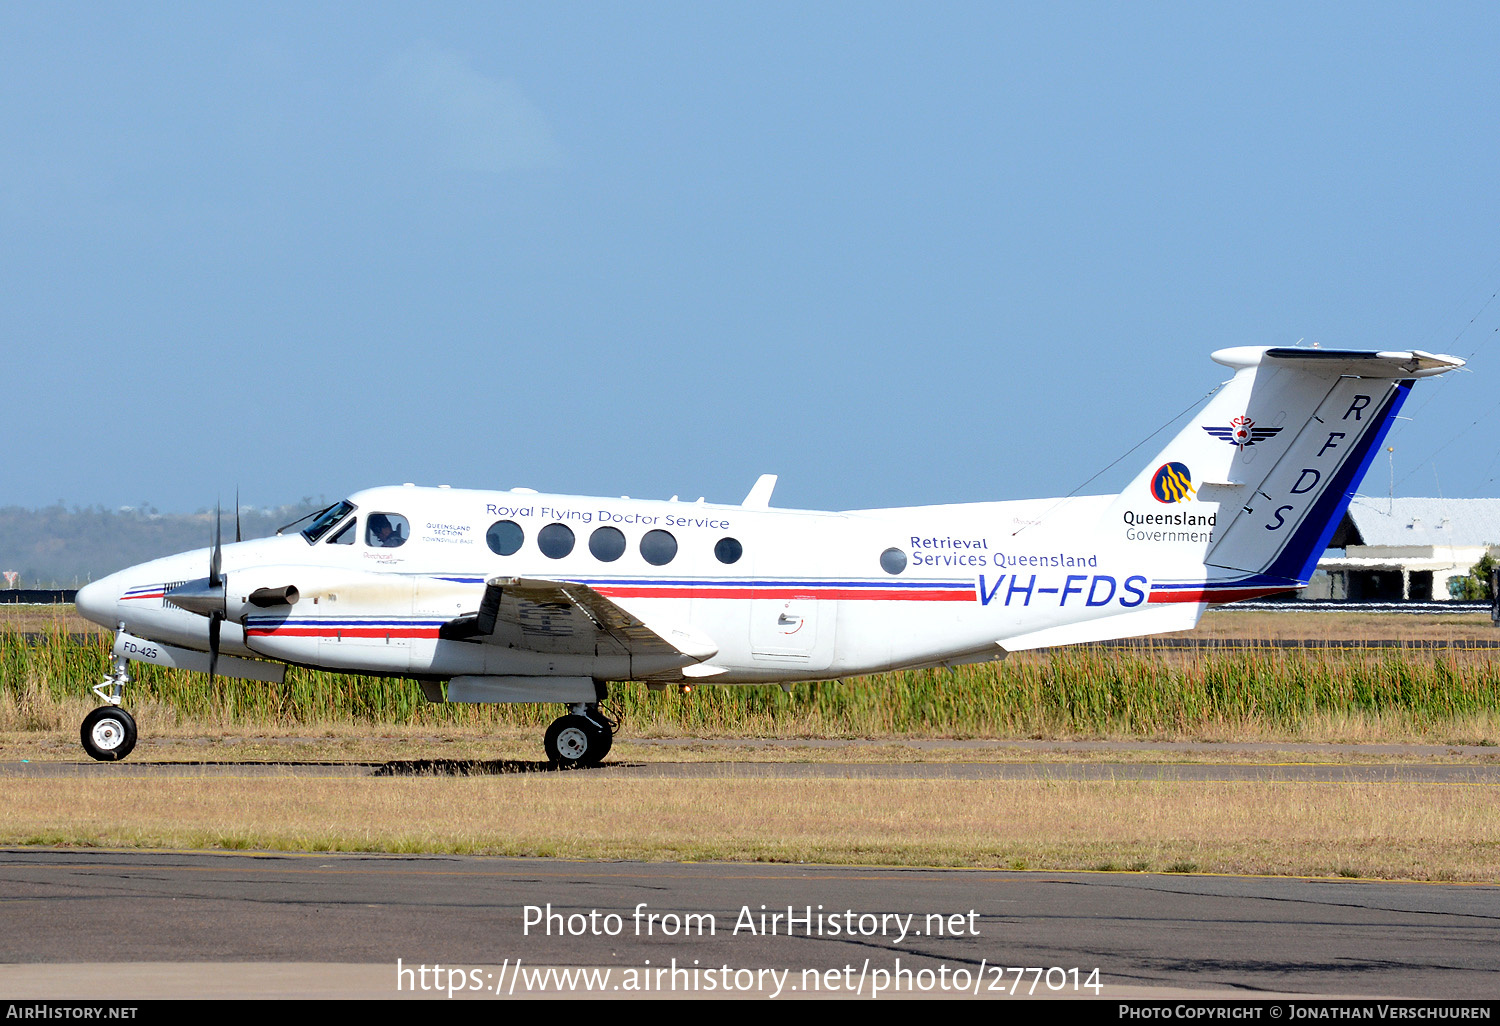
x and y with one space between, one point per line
346 534
326 519
385 530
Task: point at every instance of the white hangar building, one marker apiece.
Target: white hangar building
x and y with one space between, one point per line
1405 549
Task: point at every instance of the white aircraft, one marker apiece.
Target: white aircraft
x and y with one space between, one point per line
515 596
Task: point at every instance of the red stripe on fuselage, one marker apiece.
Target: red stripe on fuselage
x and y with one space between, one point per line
342 632
1215 594
881 594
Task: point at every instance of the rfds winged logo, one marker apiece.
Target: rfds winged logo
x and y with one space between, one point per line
1242 432
1172 482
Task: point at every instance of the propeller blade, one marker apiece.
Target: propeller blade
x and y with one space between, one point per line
215 561
216 581
237 515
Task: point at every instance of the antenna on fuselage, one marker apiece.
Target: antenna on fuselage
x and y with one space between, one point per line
760 494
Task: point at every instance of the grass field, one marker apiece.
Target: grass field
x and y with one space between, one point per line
1445 696
1404 831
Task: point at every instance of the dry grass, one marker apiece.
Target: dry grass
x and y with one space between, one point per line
1393 831
63 617
1296 625
1264 696
1403 831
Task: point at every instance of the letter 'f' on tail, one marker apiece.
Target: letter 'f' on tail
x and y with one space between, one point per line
1252 489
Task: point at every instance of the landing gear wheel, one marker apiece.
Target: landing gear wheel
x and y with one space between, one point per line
574 741
604 737
108 733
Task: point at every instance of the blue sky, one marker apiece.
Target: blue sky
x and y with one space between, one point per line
894 253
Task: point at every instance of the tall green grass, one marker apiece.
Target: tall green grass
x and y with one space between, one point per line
1077 692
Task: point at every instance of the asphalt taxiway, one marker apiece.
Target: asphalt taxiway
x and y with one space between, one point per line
146 924
117 924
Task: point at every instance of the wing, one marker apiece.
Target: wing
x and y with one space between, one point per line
567 618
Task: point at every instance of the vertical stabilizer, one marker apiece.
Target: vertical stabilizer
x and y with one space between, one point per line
1253 487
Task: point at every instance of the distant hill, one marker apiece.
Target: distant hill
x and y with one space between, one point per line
57 547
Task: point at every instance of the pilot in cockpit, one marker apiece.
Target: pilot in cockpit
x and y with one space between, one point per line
380 533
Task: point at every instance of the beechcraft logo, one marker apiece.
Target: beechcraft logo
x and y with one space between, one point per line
1242 432
1173 482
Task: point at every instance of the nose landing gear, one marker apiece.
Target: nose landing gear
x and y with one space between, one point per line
108 733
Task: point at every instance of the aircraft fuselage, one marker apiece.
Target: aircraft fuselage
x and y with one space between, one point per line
806 597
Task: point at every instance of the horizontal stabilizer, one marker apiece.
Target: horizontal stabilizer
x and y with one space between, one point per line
1333 362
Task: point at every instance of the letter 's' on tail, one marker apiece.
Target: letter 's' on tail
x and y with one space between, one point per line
1252 489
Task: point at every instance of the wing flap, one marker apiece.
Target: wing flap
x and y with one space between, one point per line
565 617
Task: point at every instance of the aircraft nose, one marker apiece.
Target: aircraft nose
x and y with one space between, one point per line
99 601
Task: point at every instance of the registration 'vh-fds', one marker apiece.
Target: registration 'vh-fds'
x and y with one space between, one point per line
515 596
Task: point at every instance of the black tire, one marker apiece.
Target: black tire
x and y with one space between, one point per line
108 733
606 738
574 741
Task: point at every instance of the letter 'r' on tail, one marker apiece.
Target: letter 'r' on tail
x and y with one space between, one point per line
1270 464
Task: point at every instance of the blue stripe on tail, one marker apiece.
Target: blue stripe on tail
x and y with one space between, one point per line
1300 554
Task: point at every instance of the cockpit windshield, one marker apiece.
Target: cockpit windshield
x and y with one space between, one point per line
326 519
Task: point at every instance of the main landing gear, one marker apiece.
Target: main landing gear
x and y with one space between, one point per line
108 733
582 738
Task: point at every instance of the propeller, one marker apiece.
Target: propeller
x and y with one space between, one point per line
216 582
206 596
216 555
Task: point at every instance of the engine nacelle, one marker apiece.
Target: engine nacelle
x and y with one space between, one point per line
313 590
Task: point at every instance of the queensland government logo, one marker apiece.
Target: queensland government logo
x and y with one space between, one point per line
1172 482
1242 432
